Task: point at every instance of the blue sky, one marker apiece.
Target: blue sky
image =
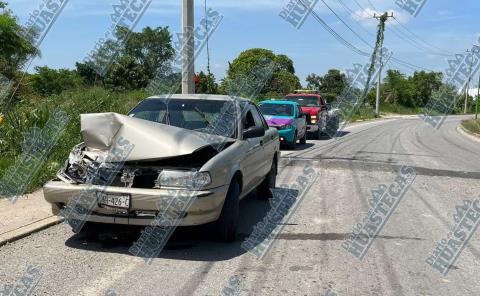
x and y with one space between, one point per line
447 25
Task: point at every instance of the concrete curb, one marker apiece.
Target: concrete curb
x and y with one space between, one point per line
468 134
21 232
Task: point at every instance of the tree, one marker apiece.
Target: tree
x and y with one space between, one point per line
314 81
151 48
88 73
331 85
424 84
252 65
136 62
398 89
15 50
49 81
207 84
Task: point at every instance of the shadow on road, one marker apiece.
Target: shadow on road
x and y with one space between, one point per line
197 243
298 147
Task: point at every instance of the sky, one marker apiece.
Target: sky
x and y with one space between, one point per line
441 26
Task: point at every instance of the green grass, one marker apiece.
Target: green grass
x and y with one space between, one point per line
37 111
472 125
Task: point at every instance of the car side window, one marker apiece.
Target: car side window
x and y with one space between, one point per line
248 121
299 112
257 117
264 122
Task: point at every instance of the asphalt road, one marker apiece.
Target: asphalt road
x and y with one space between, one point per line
307 258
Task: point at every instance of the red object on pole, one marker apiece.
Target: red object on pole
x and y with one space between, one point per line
197 80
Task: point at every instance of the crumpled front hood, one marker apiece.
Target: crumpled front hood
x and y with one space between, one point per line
272 121
152 140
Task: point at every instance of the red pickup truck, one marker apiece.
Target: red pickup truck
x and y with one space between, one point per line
321 118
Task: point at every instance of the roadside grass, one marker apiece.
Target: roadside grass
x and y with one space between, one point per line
35 112
472 125
368 112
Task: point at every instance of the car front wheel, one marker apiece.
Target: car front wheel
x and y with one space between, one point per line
303 140
291 145
227 224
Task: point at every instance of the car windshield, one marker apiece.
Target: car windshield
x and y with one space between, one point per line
209 116
304 101
277 109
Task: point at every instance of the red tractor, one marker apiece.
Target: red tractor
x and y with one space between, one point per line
321 118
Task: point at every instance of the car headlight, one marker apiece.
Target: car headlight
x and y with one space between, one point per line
314 120
183 179
286 126
314 116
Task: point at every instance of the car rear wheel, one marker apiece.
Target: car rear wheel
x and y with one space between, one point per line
332 127
263 190
227 224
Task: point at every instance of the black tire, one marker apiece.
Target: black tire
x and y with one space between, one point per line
227 224
317 135
332 127
263 190
303 140
291 145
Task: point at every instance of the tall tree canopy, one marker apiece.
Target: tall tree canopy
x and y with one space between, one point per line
14 49
282 81
136 61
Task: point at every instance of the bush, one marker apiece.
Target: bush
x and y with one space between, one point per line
472 126
49 81
28 114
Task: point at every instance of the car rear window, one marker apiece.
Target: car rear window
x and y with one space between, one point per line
304 101
277 109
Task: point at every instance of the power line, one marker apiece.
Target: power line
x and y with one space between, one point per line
421 40
351 12
356 34
410 40
353 31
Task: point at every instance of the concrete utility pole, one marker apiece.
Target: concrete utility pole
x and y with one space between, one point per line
478 98
188 50
381 18
468 82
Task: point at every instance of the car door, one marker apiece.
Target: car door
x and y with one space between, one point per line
268 144
301 122
253 161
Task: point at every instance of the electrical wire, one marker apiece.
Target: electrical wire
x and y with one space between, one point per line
446 53
406 64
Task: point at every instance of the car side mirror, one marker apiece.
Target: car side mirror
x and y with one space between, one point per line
254 132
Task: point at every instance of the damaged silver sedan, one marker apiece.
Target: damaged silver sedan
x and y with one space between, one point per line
218 148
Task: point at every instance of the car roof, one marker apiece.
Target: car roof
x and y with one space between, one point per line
303 95
283 102
198 96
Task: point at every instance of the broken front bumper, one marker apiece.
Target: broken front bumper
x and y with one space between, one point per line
143 205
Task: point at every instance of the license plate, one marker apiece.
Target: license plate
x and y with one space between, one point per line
120 201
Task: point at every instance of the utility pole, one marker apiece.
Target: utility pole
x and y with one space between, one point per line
478 98
188 50
382 18
468 82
